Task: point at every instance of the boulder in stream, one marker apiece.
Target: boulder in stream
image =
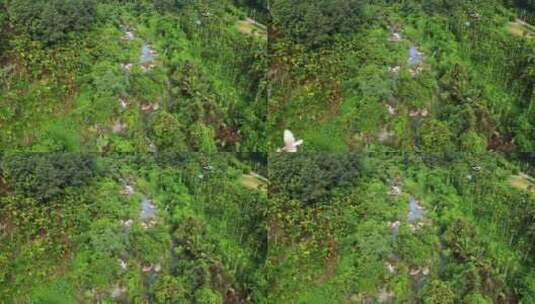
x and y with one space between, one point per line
395 190
128 35
123 102
127 224
148 106
394 70
122 264
391 110
127 66
395 37
390 267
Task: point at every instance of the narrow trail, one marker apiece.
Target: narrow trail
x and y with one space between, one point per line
520 28
254 181
250 26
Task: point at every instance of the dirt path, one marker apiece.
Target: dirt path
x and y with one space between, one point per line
254 181
519 28
252 27
523 182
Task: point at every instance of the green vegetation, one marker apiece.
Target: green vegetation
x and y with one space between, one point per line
332 228
134 139
144 76
51 21
428 76
173 229
401 228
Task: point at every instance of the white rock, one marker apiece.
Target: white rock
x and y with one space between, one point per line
391 109
146 268
126 66
395 190
123 102
122 263
424 112
425 271
395 225
394 70
127 223
128 35
391 268
414 271
396 37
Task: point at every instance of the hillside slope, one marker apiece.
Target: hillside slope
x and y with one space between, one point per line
131 229
402 75
140 77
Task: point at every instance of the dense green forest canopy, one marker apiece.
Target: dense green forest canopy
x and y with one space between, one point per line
51 21
200 228
402 75
407 228
144 76
314 22
45 176
177 228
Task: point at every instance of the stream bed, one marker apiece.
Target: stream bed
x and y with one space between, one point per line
415 56
147 54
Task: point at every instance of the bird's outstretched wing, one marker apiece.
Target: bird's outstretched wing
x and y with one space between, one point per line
289 139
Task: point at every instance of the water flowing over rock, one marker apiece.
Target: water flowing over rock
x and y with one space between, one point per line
148 213
147 54
415 56
147 210
416 212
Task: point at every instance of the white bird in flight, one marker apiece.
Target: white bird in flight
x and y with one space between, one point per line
290 144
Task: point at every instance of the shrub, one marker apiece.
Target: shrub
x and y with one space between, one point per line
473 142
435 136
51 20
315 22
310 177
46 176
203 138
438 293
208 296
168 289
476 298
167 132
